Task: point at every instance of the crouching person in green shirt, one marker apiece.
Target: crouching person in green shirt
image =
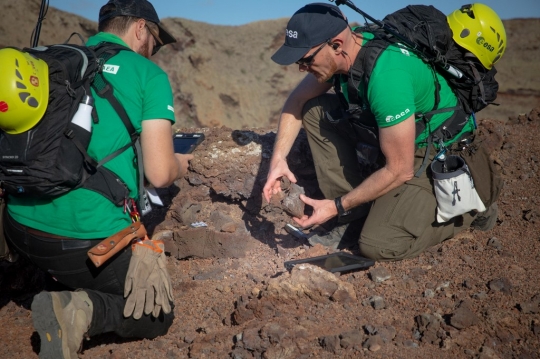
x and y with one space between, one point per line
369 183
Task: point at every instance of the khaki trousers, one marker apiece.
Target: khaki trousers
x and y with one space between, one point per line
400 224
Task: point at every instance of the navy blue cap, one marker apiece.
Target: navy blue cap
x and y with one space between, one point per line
308 27
137 8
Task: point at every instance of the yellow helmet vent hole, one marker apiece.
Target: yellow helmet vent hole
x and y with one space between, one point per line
32 102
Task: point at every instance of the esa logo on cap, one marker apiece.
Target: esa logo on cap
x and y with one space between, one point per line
291 33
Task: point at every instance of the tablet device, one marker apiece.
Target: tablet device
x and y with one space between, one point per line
186 142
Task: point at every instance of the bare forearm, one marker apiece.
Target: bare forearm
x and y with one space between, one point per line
289 127
375 186
291 116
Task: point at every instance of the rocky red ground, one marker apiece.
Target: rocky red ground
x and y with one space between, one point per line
474 296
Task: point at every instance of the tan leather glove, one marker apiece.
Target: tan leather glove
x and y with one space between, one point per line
162 282
139 288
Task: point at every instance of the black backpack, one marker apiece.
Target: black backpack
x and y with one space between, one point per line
425 31
428 31
51 159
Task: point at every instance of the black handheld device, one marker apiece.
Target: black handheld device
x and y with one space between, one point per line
186 142
335 262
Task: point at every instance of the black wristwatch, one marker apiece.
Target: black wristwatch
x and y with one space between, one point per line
341 211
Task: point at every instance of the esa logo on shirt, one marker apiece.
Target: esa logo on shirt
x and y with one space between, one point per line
405 52
398 116
111 69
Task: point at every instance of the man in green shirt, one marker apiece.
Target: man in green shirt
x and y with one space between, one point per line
56 234
370 186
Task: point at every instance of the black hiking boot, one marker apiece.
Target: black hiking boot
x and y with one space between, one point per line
341 236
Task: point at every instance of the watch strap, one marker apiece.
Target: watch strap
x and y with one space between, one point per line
341 211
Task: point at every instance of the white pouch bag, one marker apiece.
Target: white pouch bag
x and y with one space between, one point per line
454 189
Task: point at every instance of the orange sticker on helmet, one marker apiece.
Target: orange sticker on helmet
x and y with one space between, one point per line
34 81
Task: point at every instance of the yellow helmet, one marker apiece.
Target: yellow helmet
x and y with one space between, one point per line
477 28
24 90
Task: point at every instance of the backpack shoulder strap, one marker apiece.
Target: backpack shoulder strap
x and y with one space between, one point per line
103 88
105 51
363 66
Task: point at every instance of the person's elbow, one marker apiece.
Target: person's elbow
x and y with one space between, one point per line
407 175
401 172
163 173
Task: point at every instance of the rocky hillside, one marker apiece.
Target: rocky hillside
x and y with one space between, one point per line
223 75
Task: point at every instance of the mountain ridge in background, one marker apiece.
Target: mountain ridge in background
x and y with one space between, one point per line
223 75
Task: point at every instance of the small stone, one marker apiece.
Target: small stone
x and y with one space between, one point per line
373 343
351 339
531 307
330 343
480 295
463 317
387 334
500 285
292 203
370 329
377 302
426 320
379 274
493 242
410 344
429 293
442 286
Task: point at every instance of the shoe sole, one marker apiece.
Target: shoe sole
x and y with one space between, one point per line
47 326
315 241
489 222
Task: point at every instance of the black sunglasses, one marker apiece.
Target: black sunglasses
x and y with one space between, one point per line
157 40
308 61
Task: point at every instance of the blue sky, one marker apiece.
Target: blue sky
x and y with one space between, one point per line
239 12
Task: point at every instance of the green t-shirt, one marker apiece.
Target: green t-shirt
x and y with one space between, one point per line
401 85
145 92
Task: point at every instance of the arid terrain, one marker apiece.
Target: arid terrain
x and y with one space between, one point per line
474 296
